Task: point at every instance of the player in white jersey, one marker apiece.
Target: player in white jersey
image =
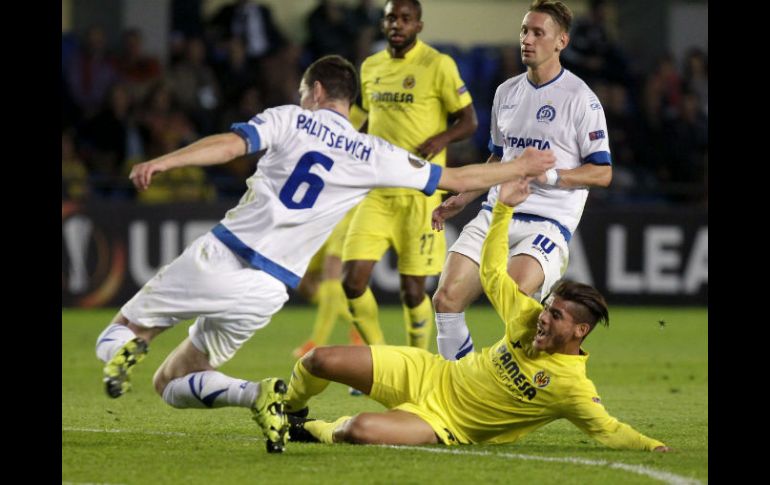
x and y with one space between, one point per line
232 279
547 107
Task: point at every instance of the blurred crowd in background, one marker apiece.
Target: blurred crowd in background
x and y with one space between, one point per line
121 106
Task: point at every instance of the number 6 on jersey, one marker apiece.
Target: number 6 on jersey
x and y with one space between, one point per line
300 175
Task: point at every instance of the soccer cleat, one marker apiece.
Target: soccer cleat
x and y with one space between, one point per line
299 413
268 413
354 392
297 431
118 370
303 349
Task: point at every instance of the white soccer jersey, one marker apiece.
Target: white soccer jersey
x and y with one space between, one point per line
316 168
563 115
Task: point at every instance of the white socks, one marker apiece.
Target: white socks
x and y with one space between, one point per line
111 339
210 389
453 338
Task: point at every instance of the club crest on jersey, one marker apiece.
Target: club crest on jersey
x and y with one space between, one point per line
416 162
541 379
546 113
409 82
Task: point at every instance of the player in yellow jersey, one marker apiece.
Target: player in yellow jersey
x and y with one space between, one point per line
408 90
532 376
322 285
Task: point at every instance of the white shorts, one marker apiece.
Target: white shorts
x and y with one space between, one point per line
229 299
540 239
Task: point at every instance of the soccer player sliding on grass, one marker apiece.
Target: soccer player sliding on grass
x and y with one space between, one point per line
535 374
233 279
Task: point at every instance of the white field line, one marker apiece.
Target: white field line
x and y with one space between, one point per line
663 476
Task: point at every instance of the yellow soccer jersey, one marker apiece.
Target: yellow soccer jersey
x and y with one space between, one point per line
510 389
408 100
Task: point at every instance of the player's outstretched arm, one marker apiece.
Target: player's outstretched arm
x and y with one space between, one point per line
531 163
211 150
456 203
587 175
586 412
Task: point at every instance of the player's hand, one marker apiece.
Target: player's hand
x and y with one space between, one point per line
141 174
448 209
432 146
535 162
663 449
514 192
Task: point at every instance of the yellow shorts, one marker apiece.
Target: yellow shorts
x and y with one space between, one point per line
401 222
333 244
408 379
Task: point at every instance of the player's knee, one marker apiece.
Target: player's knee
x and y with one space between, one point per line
412 297
352 289
412 291
317 361
360 429
445 300
355 278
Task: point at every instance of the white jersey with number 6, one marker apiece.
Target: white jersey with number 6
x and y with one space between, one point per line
316 168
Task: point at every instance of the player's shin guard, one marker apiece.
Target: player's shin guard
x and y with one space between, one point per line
209 389
111 340
302 386
364 313
453 339
419 324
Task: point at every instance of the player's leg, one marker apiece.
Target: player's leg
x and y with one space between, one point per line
458 287
157 306
366 240
361 301
420 253
392 376
394 427
351 365
538 256
121 346
186 379
418 311
526 272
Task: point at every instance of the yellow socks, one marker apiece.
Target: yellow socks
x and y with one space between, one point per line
331 305
324 430
302 386
419 324
364 313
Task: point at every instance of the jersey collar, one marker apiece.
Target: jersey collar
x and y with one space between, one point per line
418 46
558 76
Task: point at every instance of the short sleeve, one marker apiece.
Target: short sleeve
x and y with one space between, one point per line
396 167
265 129
495 136
591 129
454 92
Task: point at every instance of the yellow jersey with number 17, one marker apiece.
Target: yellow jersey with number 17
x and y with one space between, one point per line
408 100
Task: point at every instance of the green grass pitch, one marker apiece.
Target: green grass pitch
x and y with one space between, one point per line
652 376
